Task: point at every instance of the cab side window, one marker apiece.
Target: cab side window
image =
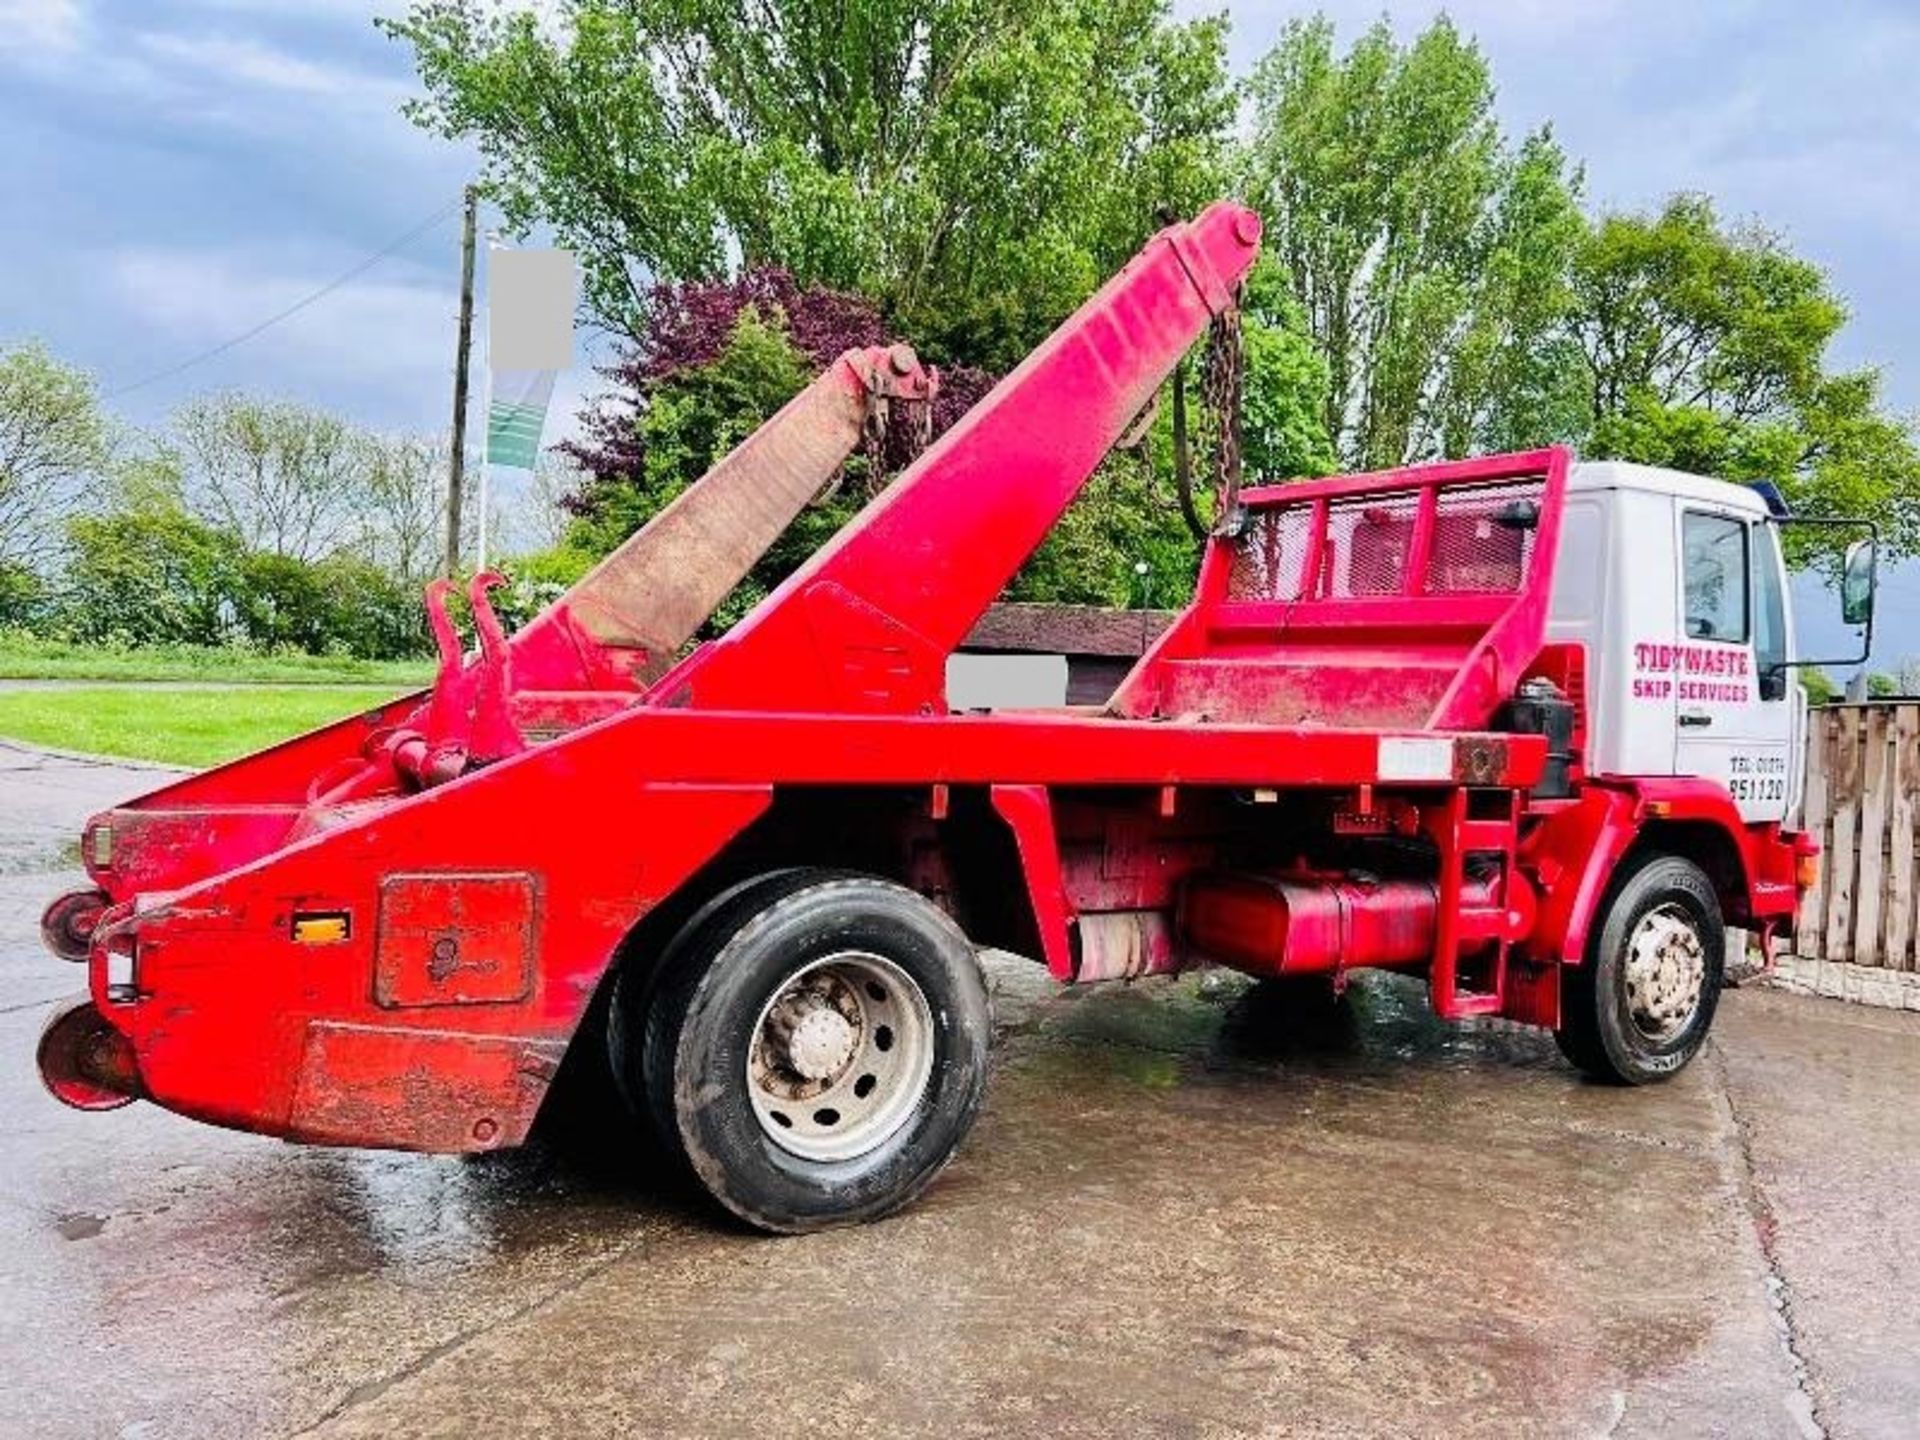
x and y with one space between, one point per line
1715 559
1769 615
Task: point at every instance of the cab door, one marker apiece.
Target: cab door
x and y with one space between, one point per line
1733 712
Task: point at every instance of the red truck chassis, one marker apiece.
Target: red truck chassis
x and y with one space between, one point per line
388 932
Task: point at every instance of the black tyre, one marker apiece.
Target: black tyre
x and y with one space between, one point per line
635 985
1640 1007
817 1048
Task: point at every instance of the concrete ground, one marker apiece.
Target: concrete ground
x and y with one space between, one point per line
1180 1215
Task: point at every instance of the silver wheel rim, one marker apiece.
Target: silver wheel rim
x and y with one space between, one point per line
1666 970
840 1056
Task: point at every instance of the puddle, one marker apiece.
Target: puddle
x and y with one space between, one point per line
1160 1032
79 1225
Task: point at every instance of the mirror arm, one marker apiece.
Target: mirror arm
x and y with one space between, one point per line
1866 635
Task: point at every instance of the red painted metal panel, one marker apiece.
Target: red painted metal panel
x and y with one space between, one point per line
455 939
1414 598
441 1090
1575 851
688 746
226 998
1028 811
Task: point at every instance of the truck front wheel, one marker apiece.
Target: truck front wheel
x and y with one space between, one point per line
817 1049
1639 1008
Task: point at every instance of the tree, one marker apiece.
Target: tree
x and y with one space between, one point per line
24 596
976 168
400 505
683 421
691 325
1902 682
717 360
1703 347
1428 257
54 442
281 477
540 521
1283 433
151 577
1819 687
343 604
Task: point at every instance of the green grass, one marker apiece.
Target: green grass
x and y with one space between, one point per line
27 657
176 727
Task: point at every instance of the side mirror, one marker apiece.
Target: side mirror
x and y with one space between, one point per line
1856 583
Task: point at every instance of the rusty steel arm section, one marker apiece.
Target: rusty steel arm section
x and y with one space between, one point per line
867 623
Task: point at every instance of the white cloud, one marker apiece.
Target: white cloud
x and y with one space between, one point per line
395 332
227 59
224 77
40 28
244 60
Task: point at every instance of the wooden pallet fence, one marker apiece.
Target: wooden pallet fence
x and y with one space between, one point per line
1863 802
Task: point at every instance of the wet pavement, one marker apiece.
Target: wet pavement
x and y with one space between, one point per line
1184 1212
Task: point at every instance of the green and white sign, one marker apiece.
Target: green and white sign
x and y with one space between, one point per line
517 416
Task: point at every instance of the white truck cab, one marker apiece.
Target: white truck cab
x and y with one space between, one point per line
1675 587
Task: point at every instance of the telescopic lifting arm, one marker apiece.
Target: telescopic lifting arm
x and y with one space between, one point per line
652 594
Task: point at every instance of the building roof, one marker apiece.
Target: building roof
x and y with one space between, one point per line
1029 629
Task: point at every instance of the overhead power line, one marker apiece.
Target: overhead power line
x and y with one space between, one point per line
343 278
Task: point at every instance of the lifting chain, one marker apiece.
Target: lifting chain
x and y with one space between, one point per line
895 432
1221 390
1221 387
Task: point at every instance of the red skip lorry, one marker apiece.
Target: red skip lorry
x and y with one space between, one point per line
1519 726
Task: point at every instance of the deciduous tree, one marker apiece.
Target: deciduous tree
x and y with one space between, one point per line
1429 256
54 444
399 509
1704 347
974 165
282 477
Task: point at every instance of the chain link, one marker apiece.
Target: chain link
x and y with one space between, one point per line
894 434
1221 391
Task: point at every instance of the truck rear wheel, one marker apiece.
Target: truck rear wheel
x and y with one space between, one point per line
1640 1007
817 1049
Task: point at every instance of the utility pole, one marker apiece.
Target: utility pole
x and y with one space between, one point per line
457 461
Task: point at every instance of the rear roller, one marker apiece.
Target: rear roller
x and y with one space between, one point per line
85 1062
815 1049
66 926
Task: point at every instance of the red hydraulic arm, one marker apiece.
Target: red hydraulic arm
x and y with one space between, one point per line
868 623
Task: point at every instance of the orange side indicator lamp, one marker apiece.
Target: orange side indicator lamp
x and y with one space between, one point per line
1806 869
326 928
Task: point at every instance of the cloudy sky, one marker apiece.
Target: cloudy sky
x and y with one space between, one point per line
183 169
